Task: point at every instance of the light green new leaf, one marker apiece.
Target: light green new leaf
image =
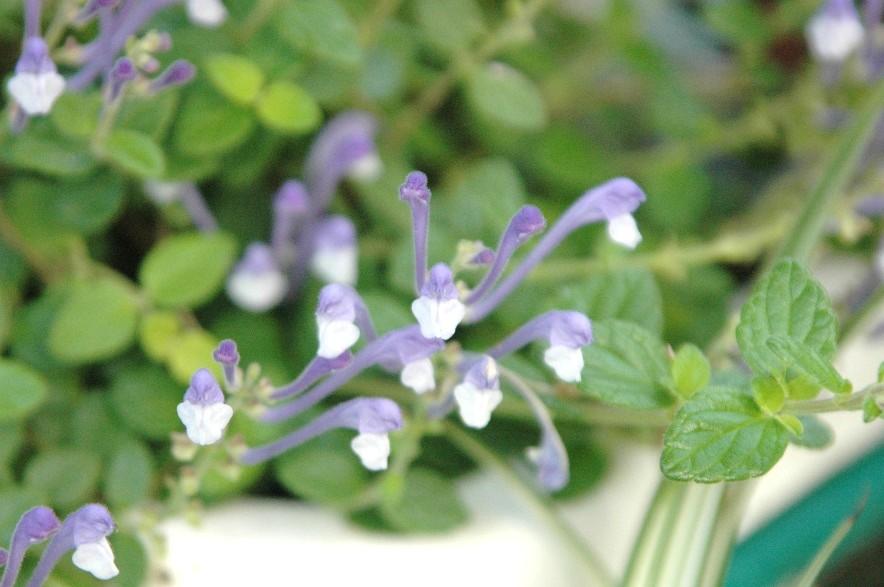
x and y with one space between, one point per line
186 270
506 96
787 302
629 294
626 366
135 153
690 370
287 108
721 435
96 321
809 363
21 390
237 77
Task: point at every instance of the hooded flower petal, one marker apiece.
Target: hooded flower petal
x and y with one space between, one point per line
96 558
256 283
373 450
479 393
203 411
418 375
567 362
36 84
623 230
438 311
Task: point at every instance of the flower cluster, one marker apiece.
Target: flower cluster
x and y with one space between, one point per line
37 84
472 384
84 532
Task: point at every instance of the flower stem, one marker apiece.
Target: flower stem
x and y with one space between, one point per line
836 403
598 574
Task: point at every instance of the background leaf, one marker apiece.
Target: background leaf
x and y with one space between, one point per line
507 97
21 390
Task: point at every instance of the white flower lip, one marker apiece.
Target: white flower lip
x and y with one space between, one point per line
418 376
205 423
438 319
567 362
96 558
834 39
475 405
366 168
335 336
256 292
207 13
336 264
36 92
623 230
373 450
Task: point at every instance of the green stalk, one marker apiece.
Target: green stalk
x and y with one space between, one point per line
689 530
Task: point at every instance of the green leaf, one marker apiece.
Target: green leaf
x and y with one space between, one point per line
76 114
86 207
816 434
47 154
323 470
145 398
450 25
209 125
786 302
96 321
158 333
68 476
721 435
506 96
871 410
187 270
127 481
135 153
626 366
237 77
193 350
287 108
769 394
21 390
321 28
131 559
628 294
809 363
690 370
14 501
428 503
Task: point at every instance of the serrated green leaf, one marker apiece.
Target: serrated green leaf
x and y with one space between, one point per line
208 125
809 363
428 503
721 435
787 302
631 295
127 481
690 370
21 390
237 77
506 96
135 152
323 470
96 321
321 28
287 108
186 270
68 476
626 366
815 434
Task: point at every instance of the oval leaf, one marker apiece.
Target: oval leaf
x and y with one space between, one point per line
236 77
68 476
135 152
186 270
96 321
287 108
21 390
506 96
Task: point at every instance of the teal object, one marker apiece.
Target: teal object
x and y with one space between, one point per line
786 545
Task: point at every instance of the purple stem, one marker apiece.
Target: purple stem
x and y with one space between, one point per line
33 9
547 244
196 208
315 369
420 218
529 332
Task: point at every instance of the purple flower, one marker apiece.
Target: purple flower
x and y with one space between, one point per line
438 310
316 369
36 525
835 31
335 254
567 333
372 418
177 74
479 393
121 74
36 84
203 411
341 316
227 356
256 283
290 207
415 192
85 532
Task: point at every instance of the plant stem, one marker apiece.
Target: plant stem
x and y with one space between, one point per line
674 259
429 100
373 25
598 574
836 403
838 171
